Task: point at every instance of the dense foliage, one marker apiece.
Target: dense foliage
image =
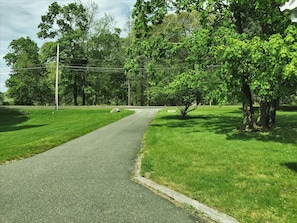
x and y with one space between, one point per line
237 50
92 55
28 82
181 52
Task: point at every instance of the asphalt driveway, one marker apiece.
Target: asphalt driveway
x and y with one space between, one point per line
86 180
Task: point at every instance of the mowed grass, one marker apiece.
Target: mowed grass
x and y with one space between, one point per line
28 131
250 176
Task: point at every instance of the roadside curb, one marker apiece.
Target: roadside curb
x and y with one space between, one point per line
180 198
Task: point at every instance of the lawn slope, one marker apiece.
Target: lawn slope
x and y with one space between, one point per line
29 130
250 176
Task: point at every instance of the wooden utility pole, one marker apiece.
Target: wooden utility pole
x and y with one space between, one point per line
129 91
57 80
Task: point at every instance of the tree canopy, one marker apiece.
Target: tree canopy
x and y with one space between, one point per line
91 58
28 83
180 52
239 49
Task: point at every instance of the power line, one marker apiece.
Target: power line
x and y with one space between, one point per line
94 68
27 68
63 66
82 68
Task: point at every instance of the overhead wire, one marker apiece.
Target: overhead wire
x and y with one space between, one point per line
81 67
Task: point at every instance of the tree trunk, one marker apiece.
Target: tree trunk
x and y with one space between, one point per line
267 113
142 97
142 89
83 90
273 108
95 97
129 92
247 107
263 120
83 98
184 110
238 21
75 94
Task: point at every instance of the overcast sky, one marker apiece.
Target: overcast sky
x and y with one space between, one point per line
20 18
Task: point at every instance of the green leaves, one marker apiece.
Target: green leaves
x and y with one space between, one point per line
27 80
92 54
184 91
67 18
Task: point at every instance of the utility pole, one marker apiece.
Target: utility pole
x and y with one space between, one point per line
129 90
57 79
129 29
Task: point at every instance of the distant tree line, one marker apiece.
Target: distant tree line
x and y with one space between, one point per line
92 56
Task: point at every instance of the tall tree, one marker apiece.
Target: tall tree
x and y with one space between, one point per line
154 60
262 19
70 24
91 53
232 25
106 58
28 82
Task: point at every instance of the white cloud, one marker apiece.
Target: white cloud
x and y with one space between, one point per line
20 18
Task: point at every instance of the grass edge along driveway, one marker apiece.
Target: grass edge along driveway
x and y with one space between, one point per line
26 131
250 176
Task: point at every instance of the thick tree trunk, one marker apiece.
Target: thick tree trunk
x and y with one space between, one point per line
263 119
247 108
248 117
267 113
273 108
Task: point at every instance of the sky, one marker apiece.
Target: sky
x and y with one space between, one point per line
20 18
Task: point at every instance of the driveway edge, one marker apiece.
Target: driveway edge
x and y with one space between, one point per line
178 197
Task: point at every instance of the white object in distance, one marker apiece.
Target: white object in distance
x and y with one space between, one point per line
290 5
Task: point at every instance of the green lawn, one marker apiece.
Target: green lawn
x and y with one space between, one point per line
250 176
30 130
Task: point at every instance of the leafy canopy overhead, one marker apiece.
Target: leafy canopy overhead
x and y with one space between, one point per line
60 20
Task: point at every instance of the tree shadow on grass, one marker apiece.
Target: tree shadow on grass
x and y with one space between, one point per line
11 118
228 124
291 165
176 121
288 108
280 135
284 132
211 122
17 128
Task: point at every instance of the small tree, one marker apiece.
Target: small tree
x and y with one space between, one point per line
183 92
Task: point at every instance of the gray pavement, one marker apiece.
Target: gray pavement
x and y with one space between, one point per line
86 180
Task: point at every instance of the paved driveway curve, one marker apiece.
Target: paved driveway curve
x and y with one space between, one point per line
86 180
